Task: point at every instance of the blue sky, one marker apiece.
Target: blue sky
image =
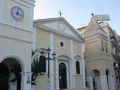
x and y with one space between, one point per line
78 12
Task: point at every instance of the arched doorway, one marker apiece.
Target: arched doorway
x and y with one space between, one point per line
4 76
10 74
62 76
96 80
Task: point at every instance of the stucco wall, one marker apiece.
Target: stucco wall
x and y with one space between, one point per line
42 39
17 43
65 50
7 17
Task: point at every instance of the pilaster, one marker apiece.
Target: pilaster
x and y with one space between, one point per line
104 84
52 76
83 65
26 80
72 79
111 82
56 75
90 79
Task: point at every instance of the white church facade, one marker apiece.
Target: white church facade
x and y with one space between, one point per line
67 70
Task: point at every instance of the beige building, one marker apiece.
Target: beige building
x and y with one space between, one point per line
101 54
16 25
67 70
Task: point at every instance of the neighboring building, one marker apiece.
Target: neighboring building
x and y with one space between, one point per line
102 56
16 25
67 70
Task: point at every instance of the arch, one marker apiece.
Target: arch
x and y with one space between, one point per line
78 57
96 79
42 49
15 67
77 67
18 59
63 57
95 72
62 76
42 62
107 72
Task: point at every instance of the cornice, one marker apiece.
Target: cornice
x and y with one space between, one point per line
48 20
57 32
17 28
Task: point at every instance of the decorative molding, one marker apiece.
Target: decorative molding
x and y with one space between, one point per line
95 32
25 2
58 32
43 21
18 59
12 38
13 26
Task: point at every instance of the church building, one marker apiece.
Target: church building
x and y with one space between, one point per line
67 68
102 56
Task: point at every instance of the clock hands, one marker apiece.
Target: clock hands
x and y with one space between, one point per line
17 13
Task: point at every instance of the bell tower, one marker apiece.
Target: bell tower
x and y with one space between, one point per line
16 25
17 13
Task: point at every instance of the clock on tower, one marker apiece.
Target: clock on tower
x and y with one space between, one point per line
19 13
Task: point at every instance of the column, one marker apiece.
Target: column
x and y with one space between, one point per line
56 75
83 65
90 79
72 78
12 85
104 84
51 68
26 80
111 82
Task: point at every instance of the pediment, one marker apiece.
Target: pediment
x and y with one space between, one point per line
58 25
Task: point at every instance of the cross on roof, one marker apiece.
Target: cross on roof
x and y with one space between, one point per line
60 13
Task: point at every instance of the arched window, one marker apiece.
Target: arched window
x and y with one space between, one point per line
102 44
42 63
77 67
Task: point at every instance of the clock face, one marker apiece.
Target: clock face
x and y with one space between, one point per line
17 13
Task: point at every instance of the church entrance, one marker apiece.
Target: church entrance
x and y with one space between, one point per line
96 80
10 77
62 76
4 76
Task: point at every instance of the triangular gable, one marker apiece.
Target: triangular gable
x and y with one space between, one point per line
59 25
93 25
